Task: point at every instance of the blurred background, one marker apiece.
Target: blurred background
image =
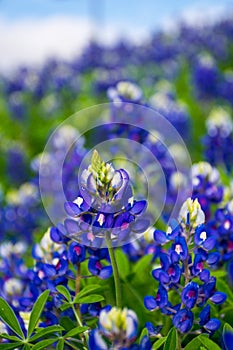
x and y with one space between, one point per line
35 30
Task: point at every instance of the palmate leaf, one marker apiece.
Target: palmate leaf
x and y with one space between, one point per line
36 311
8 316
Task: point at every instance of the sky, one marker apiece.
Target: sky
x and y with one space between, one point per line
33 30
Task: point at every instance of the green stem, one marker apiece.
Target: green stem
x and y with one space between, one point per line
79 322
115 270
179 342
77 287
76 309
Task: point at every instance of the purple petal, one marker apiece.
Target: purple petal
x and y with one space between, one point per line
138 207
212 325
218 298
160 237
150 303
72 209
140 226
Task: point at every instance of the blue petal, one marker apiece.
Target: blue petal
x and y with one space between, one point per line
218 298
72 209
96 341
228 340
150 303
160 237
140 225
138 207
106 272
212 325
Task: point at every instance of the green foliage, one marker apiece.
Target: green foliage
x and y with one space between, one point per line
34 335
172 340
158 344
36 312
8 316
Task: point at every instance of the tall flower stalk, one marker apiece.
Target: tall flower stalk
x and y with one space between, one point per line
184 269
105 212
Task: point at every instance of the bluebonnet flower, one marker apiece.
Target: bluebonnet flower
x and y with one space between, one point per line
176 113
206 76
226 86
22 213
221 228
52 263
179 268
105 202
218 143
16 159
120 327
207 187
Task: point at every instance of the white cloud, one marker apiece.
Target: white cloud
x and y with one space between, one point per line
33 41
198 14
28 41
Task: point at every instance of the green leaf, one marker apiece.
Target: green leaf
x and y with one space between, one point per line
219 273
8 316
26 347
64 291
10 346
36 311
143 333
194 344
89 299
9 337
42 344
208 343
222 286
76 331
159 343
89 290
67 323
172 340
45 331
123 263
141 271
60 344
227 328
65 306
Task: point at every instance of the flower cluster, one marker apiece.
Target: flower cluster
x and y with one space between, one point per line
218 143
206 186
105 204
221 228
184 271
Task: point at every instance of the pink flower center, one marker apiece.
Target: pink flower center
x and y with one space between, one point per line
77 250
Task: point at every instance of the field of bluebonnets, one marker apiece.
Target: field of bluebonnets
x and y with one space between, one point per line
107 277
